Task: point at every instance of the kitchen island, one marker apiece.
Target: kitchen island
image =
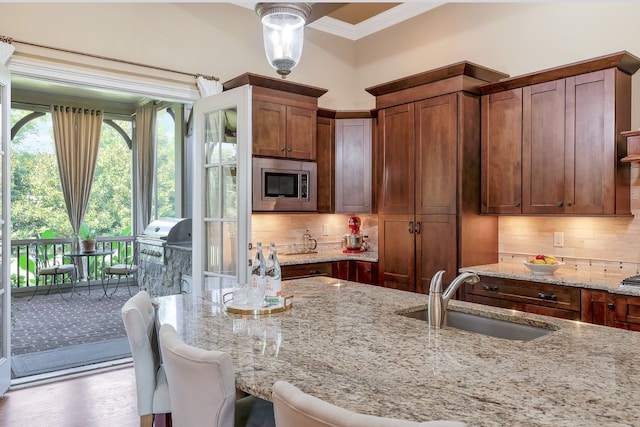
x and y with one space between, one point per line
345 343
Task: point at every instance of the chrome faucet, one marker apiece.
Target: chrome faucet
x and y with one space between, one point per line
437 308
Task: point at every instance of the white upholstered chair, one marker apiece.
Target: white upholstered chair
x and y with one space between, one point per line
294 408
202 387
138 316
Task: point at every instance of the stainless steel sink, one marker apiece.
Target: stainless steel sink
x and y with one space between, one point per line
487 326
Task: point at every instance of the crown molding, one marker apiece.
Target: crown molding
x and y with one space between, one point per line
386 19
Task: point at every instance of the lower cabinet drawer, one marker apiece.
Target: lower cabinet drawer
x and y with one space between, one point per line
532 297
307 270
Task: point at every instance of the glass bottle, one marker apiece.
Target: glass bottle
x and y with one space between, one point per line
258 269
273 276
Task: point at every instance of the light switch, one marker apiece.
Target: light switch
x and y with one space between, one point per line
325 229
558 239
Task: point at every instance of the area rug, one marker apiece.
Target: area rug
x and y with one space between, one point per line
69 357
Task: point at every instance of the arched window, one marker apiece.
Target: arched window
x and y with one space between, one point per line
37 203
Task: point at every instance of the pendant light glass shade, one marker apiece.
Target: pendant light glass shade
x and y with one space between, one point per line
283 33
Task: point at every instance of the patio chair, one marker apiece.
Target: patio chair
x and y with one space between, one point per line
46 267
124 271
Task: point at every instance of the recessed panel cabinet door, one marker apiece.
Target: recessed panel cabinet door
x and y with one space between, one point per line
543 148
590 144
436 249
397 160
325 156
397 252
301 133
436 155
269 129
502 152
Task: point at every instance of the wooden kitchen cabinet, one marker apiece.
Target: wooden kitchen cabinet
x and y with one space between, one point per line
326 159
356 271
283 131
344 157
428 131
353 165
531 297
307 270
557 150
604 308
283 116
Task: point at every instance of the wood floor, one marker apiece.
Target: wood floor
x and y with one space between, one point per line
104 399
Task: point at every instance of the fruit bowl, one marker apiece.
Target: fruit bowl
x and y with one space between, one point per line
543 268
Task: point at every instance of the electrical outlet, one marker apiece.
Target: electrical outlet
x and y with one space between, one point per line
558 239
325 229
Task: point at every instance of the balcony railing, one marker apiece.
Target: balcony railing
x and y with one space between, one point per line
23 269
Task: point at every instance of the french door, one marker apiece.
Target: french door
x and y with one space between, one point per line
221 190
5 242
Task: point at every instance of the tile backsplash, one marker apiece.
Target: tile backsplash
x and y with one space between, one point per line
594 242
286 230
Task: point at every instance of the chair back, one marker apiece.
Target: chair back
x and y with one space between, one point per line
139 321
294 408
38 254
201 383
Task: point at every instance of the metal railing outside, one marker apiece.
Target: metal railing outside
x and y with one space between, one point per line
23 270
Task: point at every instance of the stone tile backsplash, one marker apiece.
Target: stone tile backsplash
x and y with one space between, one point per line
286 230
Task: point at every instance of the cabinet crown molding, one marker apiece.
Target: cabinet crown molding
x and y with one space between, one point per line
623 61
276 84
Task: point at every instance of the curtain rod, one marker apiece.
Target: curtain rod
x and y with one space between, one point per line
9 40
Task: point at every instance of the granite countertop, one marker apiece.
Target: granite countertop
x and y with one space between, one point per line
345 343
326 256
609 281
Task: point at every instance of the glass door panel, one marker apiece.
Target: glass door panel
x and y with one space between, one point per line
5 243
221 174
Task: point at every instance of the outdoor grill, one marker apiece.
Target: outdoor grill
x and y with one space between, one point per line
160 233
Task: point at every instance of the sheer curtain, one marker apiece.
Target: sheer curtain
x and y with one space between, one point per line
146 162
76 131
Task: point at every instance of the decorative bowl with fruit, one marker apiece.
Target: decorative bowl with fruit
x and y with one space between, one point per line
542 264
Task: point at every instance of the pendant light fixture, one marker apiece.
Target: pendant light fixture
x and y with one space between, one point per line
283 33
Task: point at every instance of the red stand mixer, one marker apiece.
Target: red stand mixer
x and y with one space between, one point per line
353 242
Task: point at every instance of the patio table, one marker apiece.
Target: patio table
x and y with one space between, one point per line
78 257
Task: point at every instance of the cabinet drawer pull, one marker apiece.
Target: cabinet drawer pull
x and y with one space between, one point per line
417 227
611 306
547 297
489 288
282 149
568 203
289 149
410 227
516 205
315 271
559 204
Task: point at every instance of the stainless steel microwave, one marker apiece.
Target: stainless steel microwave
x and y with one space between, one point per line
281 185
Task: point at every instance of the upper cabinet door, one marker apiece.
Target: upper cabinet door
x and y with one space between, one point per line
502 152
353 165
269 129
436 155
590 143
301 133
397 160
543 148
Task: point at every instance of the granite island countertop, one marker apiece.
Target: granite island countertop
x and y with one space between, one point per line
606 281
345 343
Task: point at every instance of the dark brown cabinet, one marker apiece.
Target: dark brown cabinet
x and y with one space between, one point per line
527 296
603 308
428 177
344 157
551 140
283 131
356 271
307 270
283 116
326 159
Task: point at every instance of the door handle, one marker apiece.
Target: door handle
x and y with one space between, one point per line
547 297
410 227
417 227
